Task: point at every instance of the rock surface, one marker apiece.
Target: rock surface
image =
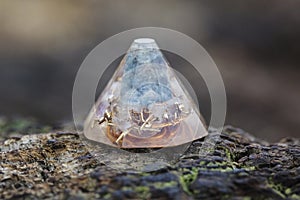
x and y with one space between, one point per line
59 166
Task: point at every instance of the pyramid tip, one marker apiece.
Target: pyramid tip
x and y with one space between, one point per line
144 40
144 43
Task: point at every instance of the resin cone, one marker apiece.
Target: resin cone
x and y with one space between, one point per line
144 105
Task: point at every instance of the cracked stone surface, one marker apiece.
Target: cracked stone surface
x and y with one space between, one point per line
58 165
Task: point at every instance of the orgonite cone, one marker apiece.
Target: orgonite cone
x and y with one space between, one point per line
144 105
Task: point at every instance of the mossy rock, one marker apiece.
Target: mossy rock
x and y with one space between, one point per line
58 165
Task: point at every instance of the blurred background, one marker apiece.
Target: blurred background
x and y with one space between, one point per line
255 45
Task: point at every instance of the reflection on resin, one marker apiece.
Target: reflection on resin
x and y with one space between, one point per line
144 105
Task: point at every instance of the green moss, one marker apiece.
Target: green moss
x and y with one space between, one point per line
288 191
225 166
187 178
277 188
143 192
227 169
281 190
295 196
202 162
107 196
212 164
165 184
249 168
144 173
229 155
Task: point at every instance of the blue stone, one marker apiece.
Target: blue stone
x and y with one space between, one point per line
145 79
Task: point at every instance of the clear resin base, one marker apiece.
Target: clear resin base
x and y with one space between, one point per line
144 105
